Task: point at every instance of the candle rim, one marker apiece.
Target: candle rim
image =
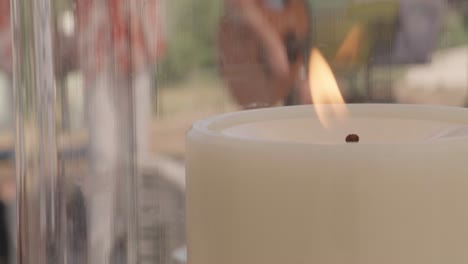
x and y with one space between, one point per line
215 125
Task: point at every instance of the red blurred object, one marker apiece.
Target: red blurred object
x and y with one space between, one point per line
137 36
6 59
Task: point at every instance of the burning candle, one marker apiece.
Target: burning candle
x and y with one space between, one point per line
282 185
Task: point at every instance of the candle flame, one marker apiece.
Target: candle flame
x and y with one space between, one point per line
326 96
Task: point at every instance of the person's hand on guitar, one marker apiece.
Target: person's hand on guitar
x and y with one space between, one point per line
262 44
271 41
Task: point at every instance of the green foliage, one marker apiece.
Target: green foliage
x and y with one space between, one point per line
192 26
453 32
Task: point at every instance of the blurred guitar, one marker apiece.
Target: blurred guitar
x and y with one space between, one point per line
243 58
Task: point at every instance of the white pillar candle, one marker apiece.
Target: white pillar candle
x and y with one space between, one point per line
274 187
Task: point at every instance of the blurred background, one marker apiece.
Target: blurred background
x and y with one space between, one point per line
191 59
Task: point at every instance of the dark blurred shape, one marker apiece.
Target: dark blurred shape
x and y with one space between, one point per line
77 227
416 30
4 239
294 47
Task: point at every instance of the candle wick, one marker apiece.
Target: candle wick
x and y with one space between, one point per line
352 138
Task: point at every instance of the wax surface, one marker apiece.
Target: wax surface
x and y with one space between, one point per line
273 186
370 130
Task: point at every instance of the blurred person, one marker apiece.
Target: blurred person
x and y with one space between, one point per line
263 46
352 34
119 42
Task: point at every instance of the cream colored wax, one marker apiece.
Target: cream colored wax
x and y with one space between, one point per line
274 187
